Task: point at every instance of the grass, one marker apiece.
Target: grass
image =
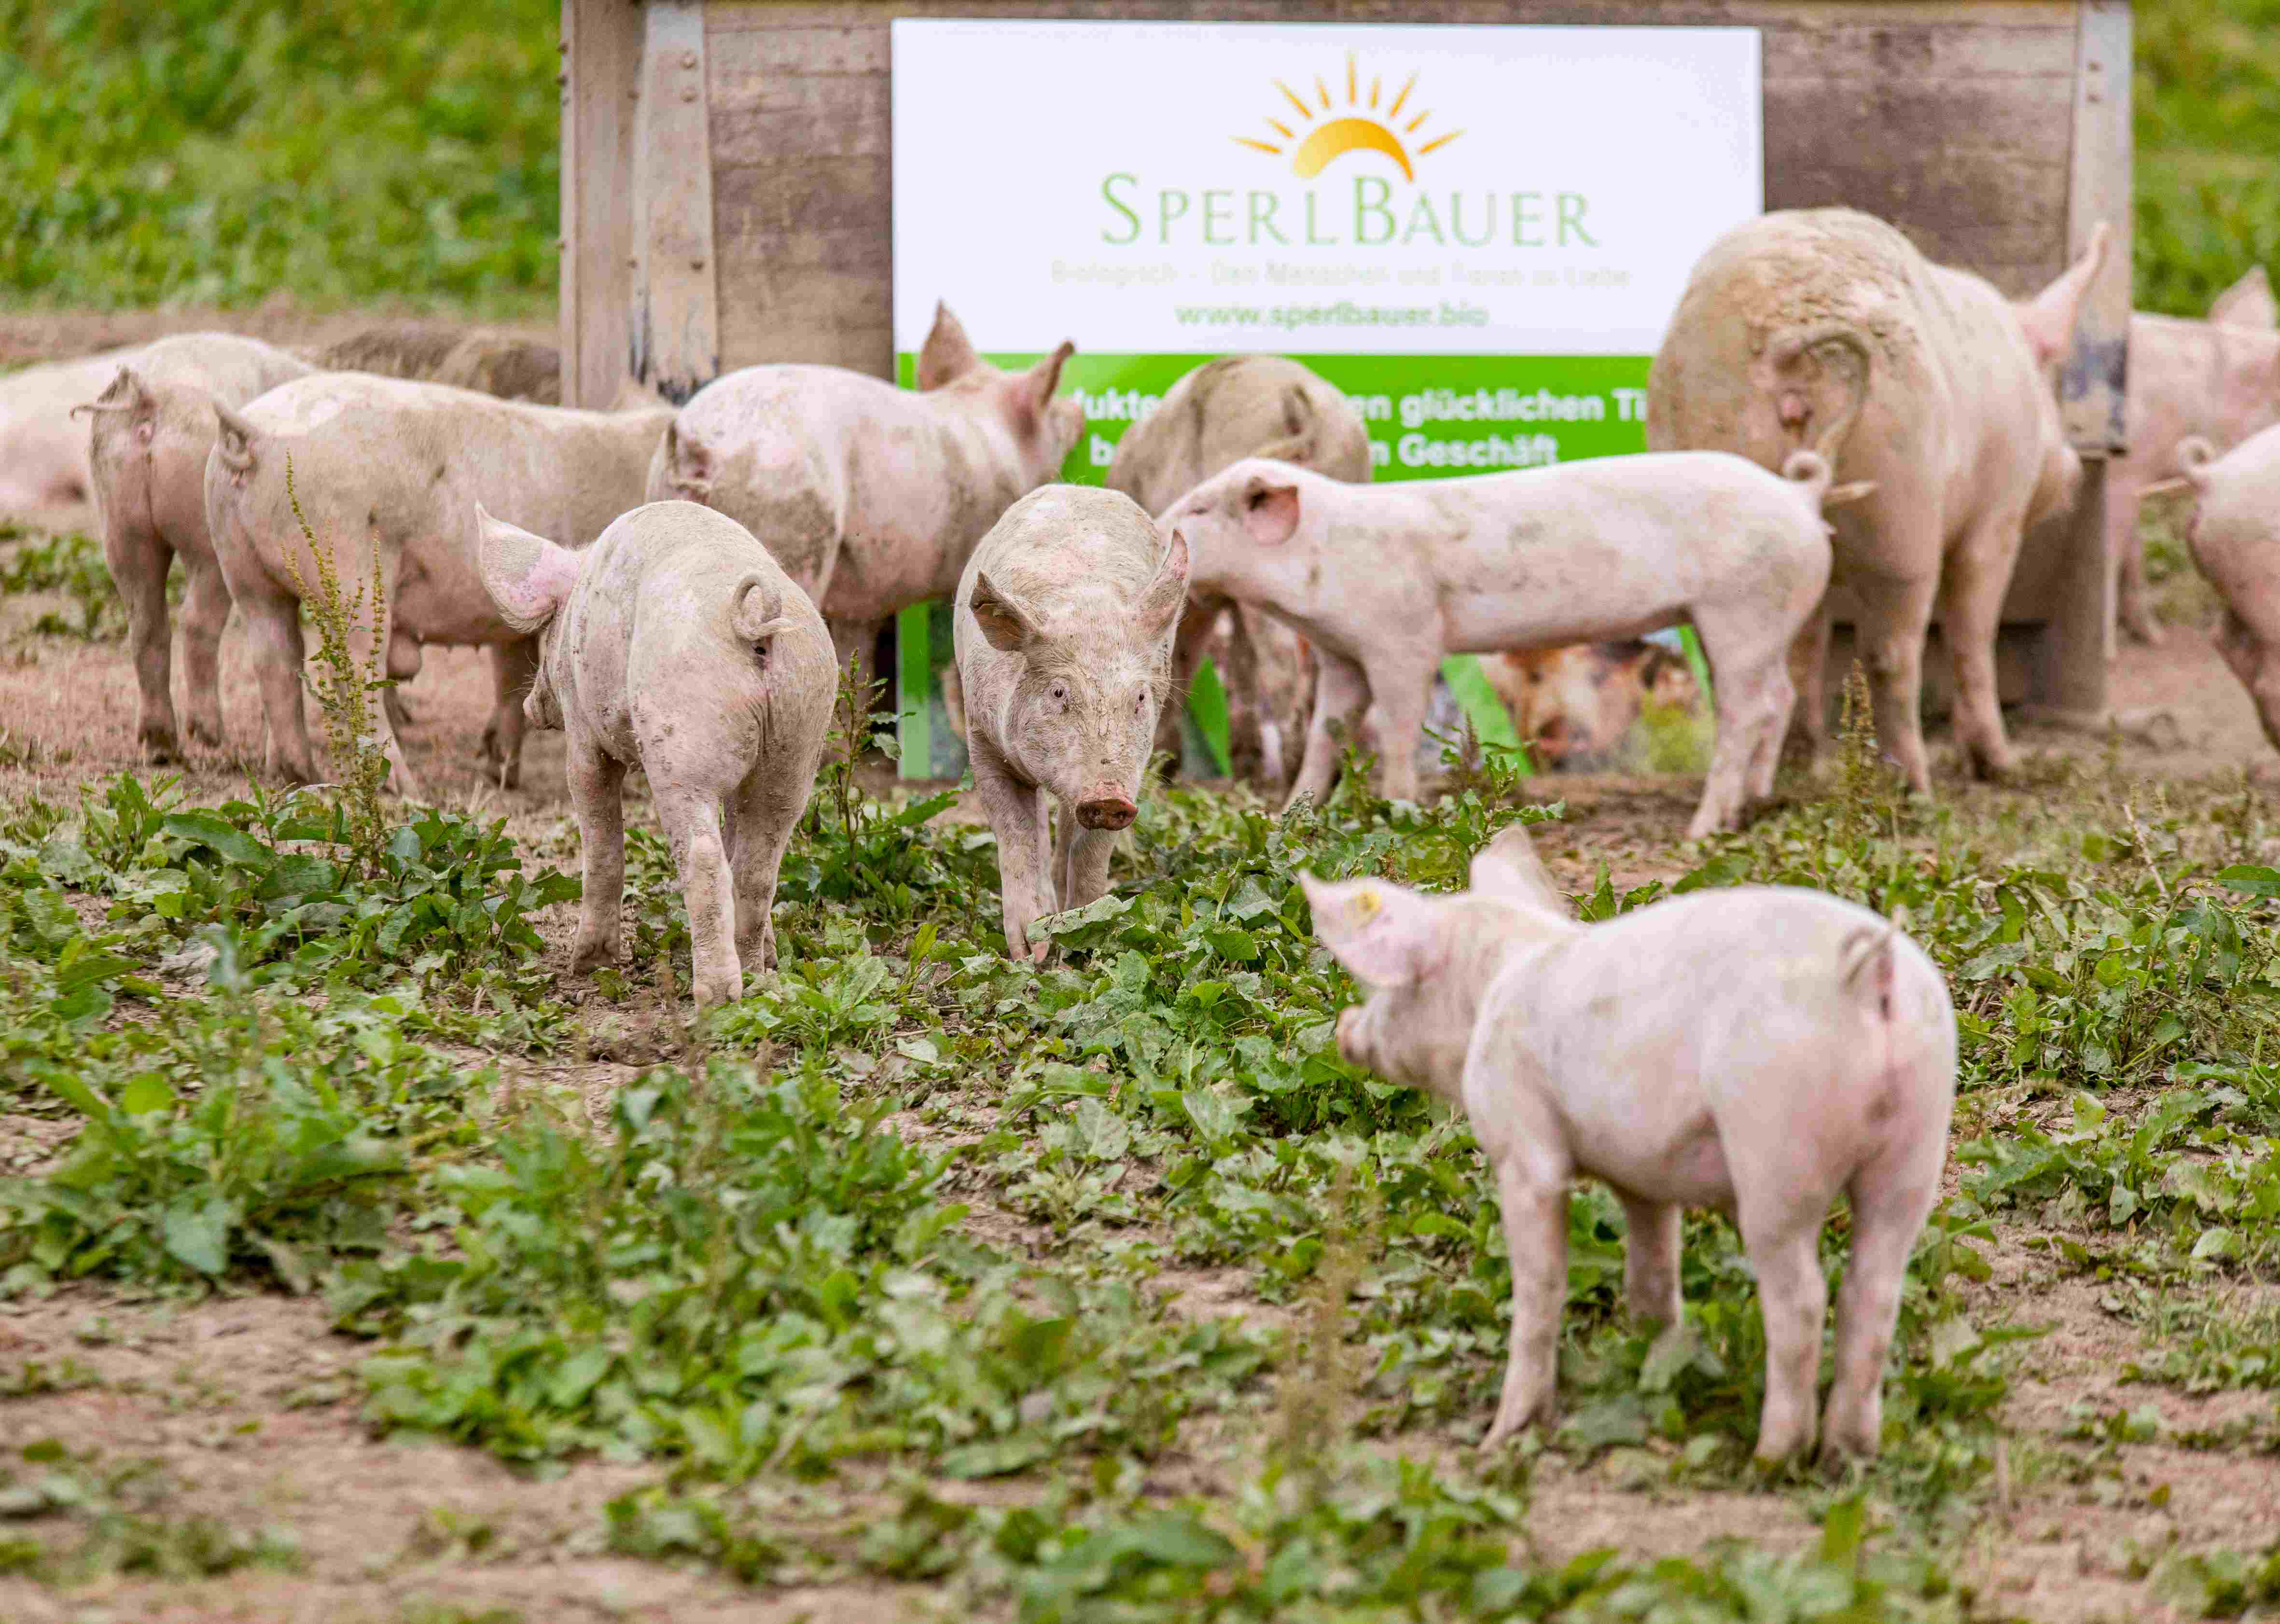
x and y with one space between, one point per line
759 1278
229 151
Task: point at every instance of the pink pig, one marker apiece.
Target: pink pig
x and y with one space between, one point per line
1755 1050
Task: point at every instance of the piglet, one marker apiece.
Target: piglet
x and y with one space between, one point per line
1063 630
1385 579
2234 537
1755 1050
677 644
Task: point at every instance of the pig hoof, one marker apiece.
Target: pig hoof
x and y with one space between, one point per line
590 956
160 750
2145 629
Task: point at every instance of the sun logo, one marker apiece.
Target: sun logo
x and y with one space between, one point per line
1362 130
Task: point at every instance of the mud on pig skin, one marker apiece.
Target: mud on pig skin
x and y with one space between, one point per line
393 470
676 645
1063 630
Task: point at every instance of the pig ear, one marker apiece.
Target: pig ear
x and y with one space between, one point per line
1508 869
2247 303
1045 376
1005 621
527 576
948 354
1270 510
2048 318
1386 934
1160 604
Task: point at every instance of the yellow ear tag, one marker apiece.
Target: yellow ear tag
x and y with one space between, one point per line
1367 906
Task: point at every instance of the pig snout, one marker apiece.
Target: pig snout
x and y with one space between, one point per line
1105 807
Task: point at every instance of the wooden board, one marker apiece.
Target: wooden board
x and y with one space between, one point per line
601 61
673 318
1979 98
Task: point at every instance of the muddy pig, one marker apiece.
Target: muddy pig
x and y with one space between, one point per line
1386 579
1753 1049
676 645
871 498
390 472
1241 405
2218 379
1063 629
1826 328
153 429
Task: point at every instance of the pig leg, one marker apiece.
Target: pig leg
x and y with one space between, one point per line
852 641
404 658
692 826
273 623
1080 862
1651 1260
205 613
1808 675
1398 688
2257 664
363 640
1536 1242
1890 1199
1197 621
1247 702
139 562
1779 1228
766 815
1895 614
2126 550
513 666
1016 812
596 787
1339 693
1970 605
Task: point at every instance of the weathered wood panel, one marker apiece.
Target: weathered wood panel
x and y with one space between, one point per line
672 324
1954 120
601 63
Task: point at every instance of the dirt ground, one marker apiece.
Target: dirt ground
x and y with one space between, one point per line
247 1401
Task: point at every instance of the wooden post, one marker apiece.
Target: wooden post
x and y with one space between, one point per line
673 316
2070 667
601 62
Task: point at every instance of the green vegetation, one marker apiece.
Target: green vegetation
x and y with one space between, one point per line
2207 114
912 1210
220 151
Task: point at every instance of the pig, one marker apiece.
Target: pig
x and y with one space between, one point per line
153 431
2235 538
1386 579
2219 379
1956 424
481 359
1240 405
1574 704
390 471
1753 1049
871 496
44 477
1063 630
675 643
